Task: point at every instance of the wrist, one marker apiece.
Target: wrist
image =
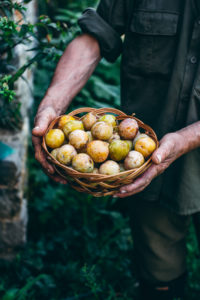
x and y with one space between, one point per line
190 136
57 98
52 104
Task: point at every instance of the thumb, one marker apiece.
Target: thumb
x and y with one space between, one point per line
161 153
42 122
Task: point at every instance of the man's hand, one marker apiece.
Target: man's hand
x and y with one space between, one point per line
42 120
171 147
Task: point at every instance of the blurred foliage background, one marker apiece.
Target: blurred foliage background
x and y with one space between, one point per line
79 247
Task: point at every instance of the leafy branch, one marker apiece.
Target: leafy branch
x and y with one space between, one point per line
49 39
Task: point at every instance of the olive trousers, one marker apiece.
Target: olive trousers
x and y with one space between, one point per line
159 238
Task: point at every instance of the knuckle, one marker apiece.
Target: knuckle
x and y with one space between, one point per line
147 182
129 188
37 157
161 169
34 142
33 139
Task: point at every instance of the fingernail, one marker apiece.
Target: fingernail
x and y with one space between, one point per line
159 158
115 196
49 170
37 127
123 191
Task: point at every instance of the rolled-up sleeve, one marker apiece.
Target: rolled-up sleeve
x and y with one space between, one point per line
107 25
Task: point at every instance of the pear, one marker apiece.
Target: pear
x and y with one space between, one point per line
63 120
128 129
134 160
146 146
98 150
54 138
83 163
54 152
110 119
118 150
65 154
89 120
71 126
102 131
78 138
110 167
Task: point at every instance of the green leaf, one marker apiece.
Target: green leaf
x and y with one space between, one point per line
10 294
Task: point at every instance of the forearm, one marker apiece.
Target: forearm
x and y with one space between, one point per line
73 71
189 138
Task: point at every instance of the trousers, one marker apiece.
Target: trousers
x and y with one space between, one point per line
159 237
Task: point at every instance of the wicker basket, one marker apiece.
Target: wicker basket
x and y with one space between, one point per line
99 185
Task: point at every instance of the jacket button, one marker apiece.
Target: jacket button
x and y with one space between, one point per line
193 60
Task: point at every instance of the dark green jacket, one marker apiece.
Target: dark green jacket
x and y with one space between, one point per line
160 78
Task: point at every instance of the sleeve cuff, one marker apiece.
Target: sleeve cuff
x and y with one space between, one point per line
109 40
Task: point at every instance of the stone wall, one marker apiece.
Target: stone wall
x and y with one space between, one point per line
13 173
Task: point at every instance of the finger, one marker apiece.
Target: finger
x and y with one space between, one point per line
141 181
139 184
56 177
128 194
42 159
42 121
162 152
40 155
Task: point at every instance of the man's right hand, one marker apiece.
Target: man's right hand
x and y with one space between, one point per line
42 120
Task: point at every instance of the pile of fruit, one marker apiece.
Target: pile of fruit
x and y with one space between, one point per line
99 145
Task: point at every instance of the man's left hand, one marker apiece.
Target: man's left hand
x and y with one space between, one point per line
171 147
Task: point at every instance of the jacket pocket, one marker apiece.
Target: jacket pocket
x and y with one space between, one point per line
152 41
154 23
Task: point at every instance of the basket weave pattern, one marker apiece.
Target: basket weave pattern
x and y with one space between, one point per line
99 185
